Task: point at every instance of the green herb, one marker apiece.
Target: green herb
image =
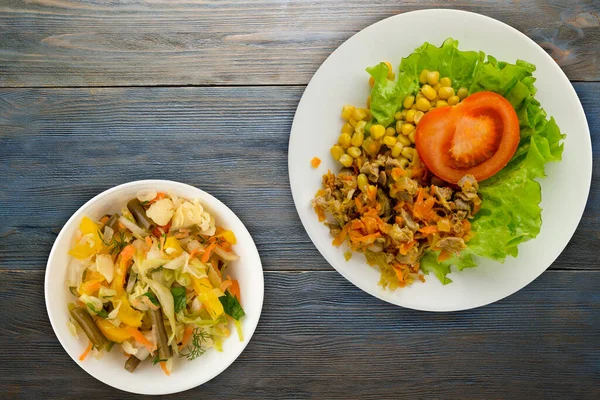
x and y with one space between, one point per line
195 349
157 359
178 298
144 202
152 298
102 313
109 346
73 291
232 306
115 245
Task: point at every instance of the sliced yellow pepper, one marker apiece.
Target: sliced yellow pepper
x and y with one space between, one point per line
208 296
173 243
92 282
229 237
113 333
82 250
127 314
87 226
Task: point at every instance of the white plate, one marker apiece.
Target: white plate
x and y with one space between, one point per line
149 379
342 80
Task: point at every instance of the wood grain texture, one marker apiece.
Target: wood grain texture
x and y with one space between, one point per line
59 148
319 337
198 42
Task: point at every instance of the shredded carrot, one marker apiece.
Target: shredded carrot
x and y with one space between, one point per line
315 162
406 246
429 230
397 173
86 352
193 253
339 239
141 339
148 241
234 289
444 255
127 253
159 196
187 334
163 365
90 287
367 239
207 252
320 212
103 220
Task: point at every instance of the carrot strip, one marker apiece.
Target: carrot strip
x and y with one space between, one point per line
234 289
339 239
187 334
207 251
163 365
444 255
103 220
141 339
86 352
148 241
193 253
429 230
159 196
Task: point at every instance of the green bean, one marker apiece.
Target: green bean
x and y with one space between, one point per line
132 363
164 350
113 222
135 207
87 324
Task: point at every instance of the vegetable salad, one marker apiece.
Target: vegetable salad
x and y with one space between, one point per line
153 279
433 168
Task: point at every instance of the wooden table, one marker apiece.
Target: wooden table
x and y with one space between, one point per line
96 93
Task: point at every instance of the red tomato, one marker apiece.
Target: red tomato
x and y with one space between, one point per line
478 136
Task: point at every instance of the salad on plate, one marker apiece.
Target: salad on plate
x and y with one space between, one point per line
441 166
153 279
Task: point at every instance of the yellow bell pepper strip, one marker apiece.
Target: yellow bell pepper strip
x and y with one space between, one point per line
208 296
127 314
113 333
173 243
83 249
92 282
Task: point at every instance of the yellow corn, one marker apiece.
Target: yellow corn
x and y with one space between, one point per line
408 101
390 131
371 146
398 116
423 76
405 141
423 104
446 82
445 92
454 100
410 115
359 114
403 161
345 140
369 102
336 151
362 182
437 87
441 103
407 129
357 139
390 74
371 81
428 92
347 128
411 137
397 149
433 77
377 131
462 93
418 116
389 141
408 153
354 152
352 122
347 112
346 160
399 126
360 126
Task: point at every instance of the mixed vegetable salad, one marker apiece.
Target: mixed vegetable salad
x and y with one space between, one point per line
153 278
440 166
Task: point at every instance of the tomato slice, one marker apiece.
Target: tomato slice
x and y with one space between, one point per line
478 136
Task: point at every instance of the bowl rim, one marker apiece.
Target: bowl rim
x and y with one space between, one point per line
174 388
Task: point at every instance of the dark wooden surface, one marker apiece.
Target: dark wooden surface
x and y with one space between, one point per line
73 125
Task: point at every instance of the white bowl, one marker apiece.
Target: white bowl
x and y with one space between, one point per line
148 379
342 80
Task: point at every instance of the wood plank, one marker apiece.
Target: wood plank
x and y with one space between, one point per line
61 147
91 43
320 337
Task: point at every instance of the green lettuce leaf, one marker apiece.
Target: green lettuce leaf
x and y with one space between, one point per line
510 213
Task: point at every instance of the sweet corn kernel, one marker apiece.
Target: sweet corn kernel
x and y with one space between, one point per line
369 102
410 115
399 126
371 81
345 140
357 139
390 131
354 152
398 116
390 74
423 76
445 92
428 92
377 131
359 114
347 112
360 126
346 160
389 141
347 128
437 87
368 113
445 82
352 121
336 151
418 116
408 101
397 149
408 153
405 141
433 77
419 96
404 113
454 100
407 128
362 182
441 103
371 146
423 104
403 161
411 137
462 93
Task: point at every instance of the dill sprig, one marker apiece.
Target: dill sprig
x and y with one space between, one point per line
115 245
195 349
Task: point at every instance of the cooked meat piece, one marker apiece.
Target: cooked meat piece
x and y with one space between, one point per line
386 207
382 178
443 193
462 205
408 220
468 184
392 163
371 171
405 184
412 257
452 244
400 234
